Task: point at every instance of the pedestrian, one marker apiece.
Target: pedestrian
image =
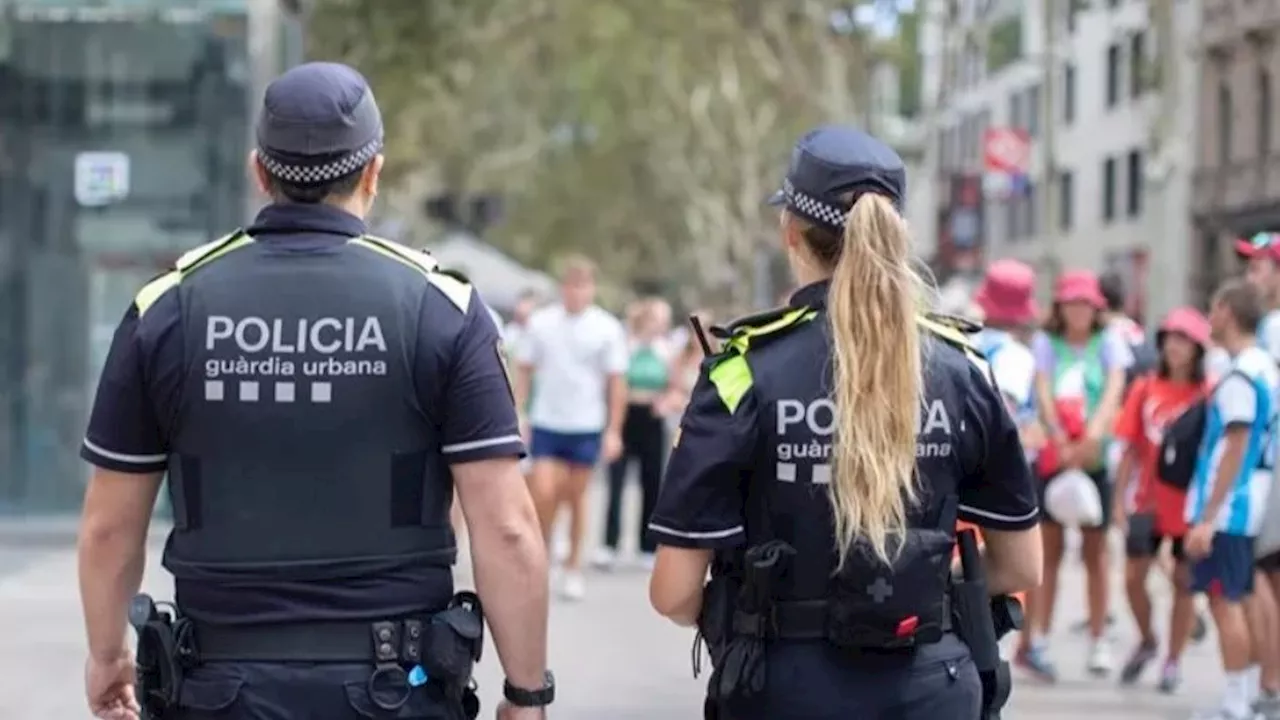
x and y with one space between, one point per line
315 396
1080 377
822 463
644 433
575 354
1157 518
1228 493
1262 253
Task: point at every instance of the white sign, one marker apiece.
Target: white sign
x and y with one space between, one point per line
101 178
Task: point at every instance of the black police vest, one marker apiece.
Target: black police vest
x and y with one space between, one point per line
299 451
786 496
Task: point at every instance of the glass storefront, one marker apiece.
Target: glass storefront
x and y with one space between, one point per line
123 133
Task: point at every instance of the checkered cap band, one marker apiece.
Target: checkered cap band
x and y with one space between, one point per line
813 208
317 174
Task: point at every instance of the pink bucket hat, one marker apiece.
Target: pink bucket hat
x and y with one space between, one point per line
1007 294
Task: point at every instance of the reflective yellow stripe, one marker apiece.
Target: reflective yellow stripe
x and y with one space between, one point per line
413 258
741 340
732 379
190 261
152 291
458 292
959 340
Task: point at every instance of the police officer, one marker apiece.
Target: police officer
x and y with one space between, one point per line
314 395
822 463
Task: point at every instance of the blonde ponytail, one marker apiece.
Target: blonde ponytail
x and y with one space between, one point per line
874 300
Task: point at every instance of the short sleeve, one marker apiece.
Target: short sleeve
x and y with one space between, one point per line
1237 400
999 493
617 355
1042 350
1129 425
124 433
701 501
479 414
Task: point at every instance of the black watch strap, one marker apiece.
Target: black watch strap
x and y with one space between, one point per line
541 697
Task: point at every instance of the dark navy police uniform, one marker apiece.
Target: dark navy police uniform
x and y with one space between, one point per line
753 457
307 387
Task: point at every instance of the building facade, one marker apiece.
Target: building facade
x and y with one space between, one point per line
124 131
1237 177
1088 101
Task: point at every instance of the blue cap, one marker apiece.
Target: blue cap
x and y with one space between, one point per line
830 163
319 122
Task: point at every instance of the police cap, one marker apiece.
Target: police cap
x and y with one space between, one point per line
831 166
319 122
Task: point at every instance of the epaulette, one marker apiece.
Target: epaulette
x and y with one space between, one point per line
956 332
753 330
188 263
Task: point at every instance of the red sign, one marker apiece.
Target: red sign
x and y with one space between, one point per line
1006 150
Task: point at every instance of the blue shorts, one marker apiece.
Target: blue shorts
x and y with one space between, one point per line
1228 571
572 448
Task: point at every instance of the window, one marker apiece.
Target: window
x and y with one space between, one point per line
1066 197
1069 93
1016 118
1137 176
1225 113
1073 13
1113 75
1109 189
1029 213
1138 63
1032 109
1264 114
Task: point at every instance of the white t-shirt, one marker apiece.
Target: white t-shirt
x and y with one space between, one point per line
1269 334
573 357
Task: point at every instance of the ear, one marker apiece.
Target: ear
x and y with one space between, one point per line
259 173
369 178
792 231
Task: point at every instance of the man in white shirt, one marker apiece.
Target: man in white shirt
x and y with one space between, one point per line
573 355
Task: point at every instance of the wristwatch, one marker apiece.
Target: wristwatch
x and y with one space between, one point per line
541 697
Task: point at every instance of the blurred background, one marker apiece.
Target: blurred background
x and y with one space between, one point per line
1121 135
1131 136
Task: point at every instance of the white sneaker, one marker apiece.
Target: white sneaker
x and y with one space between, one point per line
574 586
644 561
1101 662
604 559
560 549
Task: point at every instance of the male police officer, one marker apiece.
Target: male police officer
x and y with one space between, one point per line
313 394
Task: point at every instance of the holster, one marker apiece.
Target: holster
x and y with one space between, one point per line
166 649
978 622
741 672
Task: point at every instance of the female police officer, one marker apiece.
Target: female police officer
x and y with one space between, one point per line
838 602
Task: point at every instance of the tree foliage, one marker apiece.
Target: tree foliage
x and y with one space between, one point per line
645 133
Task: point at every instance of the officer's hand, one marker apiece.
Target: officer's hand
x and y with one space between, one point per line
507 711
612 448
108 686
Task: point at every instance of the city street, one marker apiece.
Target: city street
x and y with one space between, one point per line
614 659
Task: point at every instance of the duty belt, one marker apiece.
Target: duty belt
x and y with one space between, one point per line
336 642
804 620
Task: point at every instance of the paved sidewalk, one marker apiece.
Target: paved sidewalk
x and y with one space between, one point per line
615 660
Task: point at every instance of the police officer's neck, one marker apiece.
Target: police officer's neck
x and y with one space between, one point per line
807 274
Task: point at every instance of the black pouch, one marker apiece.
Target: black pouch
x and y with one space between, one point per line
1142 530
716 615
452 641
873 606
